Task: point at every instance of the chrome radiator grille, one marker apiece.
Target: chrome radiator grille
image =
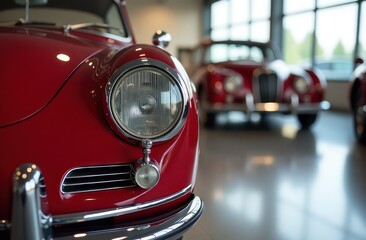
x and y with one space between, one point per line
97 178
267 87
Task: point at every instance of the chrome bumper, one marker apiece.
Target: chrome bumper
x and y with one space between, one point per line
294 106
32 221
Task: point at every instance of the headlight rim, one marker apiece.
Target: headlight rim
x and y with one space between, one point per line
306 85
134 65
116 88
238 84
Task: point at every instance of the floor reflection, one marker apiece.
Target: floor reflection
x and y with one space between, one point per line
266 179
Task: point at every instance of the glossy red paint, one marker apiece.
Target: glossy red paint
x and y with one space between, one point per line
52 114
246 71
318 86
72 131
28 53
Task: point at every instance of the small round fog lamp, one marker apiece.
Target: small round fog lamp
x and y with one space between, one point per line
147 176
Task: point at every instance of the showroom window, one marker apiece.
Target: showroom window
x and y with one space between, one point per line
362 39
240 20
321 33
298 40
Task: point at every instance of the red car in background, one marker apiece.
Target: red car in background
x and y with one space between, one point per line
358 100
98 134
249 76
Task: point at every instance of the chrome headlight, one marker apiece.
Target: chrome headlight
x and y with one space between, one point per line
232 84
301 85
146 102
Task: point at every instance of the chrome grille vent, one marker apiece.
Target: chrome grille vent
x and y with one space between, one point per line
267 87
97 178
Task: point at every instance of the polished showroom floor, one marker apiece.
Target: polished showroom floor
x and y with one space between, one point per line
270 180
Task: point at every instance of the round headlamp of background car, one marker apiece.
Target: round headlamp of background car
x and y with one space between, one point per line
301 85
232 83
146 102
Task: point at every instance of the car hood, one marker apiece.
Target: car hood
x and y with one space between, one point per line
33 68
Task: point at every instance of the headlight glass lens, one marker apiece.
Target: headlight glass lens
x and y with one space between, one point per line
301 85
232 84
146 102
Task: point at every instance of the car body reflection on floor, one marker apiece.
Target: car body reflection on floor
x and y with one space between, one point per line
267 179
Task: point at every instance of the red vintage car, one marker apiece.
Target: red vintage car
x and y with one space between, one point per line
98 134
358 100
249 76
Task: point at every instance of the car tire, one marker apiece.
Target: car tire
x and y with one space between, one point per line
359 118
210 119
307 120
207 118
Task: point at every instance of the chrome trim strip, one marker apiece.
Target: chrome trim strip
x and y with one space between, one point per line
260 107
70 27
99 182
106 35
249 100
98 175
295 102
172 227
109 213
104 189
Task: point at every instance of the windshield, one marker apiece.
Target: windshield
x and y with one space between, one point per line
61 13
223 52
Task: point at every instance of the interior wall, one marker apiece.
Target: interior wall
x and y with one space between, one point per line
182 19
337 94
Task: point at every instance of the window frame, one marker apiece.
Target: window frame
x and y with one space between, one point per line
277 16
